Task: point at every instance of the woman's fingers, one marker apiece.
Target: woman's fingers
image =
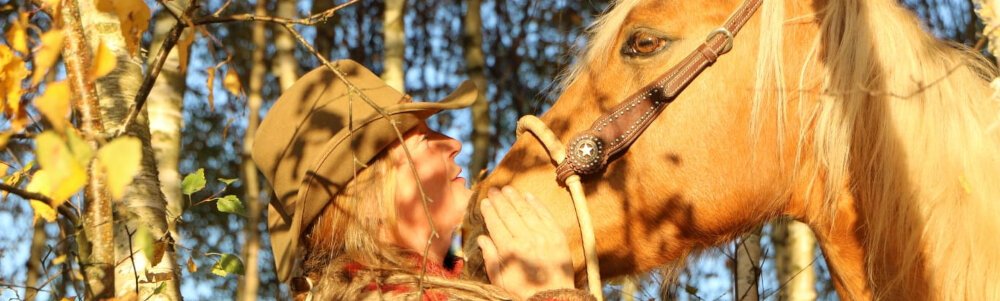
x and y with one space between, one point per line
505 210
490 257
529 217
526 251
494 222
542 212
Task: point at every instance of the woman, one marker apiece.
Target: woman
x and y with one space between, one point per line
349 219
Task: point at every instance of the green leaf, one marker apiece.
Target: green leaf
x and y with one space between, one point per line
227 181
228 264
143 240
231 204
193 182
159 289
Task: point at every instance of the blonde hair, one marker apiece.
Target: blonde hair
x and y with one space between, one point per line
352 229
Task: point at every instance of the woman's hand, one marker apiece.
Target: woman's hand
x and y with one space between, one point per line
526 251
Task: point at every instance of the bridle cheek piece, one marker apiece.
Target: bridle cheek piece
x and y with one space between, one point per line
590 151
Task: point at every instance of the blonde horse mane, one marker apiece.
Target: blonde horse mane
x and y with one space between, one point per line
905 122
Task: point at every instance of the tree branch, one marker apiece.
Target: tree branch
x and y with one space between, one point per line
154 71
65 210
183 22
311 20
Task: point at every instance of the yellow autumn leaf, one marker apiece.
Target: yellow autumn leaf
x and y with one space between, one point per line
121 161
12 73
17 35
54 104
59 259
104 61
184 47
133 15
210 85
4 137
232 82
60 175
43 211
82 151
47 54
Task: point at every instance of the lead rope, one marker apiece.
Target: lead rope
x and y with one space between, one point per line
557 151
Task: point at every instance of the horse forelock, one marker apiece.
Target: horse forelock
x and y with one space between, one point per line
602 34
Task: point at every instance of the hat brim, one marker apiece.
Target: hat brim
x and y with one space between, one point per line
463 97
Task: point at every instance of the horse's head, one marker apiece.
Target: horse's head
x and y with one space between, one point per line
822 110
698 176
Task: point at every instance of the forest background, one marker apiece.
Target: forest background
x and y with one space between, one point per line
71 142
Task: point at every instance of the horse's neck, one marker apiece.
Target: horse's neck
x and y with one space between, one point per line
846 239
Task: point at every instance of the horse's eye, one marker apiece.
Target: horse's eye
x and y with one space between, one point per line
643 43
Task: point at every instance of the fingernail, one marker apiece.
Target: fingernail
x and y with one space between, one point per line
493 190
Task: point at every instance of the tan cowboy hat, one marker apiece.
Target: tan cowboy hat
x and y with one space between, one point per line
302 145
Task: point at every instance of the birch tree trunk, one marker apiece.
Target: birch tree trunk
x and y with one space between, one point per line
794 246
475 64
395 44
95 242
286 66
748 267
165 118
143 204
250 283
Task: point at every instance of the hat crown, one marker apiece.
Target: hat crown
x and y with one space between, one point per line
317 108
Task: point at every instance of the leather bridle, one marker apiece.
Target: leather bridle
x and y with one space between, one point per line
590 151
610 135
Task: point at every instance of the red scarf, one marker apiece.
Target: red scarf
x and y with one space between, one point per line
433 269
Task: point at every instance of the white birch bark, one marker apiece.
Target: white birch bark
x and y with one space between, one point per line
143 204
395 44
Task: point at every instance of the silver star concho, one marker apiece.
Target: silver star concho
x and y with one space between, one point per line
586 152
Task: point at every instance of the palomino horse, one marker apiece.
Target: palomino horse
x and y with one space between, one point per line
843 114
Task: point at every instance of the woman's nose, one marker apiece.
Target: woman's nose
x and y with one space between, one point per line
448 143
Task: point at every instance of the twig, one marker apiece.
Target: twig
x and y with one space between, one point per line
154 71
132 258
23 136
311 20
222 8
783 284
22 286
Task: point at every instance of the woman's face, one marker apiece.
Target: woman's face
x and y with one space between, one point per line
433 157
